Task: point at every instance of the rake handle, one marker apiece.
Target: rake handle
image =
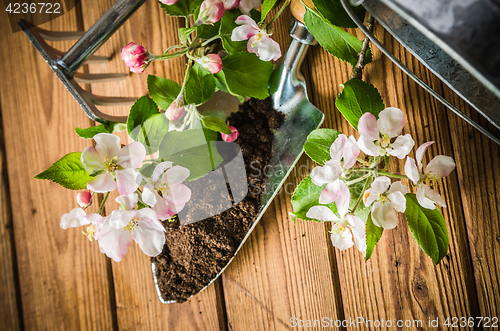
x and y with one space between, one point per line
97 35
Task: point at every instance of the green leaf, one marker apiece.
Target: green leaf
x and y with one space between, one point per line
334 12
151 132
247 75
181 8
200 85
191 149
142 109
305 196
267 6
373 234
89 133
163 91
358 97
215 124
227 25
318 143
336 41
207 31
184 33
428 227
147 169
67 172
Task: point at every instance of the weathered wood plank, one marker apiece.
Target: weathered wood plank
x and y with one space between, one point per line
400 282
10 305
63 277
138 306
479 187
283 270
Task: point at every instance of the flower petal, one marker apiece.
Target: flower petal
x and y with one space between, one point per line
419 154
149 234
132 155
391 121
398 187
108 145
338 192
368 147
246 20
91 160
321 213
358 229
160 169
148 197
163 208
427 197
440 166
113 242
176 174
398 201
102 183
402 146
328 173
341 238
411 170
268 49
178 196
127 181
351 152
247 5
243 32
73 219
337 148
380 184
384 215
128 201
121 218
367 127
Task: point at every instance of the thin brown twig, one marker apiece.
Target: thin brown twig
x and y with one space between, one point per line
357 70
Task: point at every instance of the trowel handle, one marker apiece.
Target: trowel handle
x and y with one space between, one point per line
298 10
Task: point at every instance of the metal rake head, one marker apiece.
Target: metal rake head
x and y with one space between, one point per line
66 64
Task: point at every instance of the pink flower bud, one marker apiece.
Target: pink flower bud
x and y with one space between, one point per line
175 110
211 11
169 2
211 62
136 57
231 4
230 137
83 198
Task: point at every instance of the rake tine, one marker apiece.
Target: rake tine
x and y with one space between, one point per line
90 59
60 35
100 100
83 78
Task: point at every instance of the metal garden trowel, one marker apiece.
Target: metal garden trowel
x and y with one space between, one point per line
289 96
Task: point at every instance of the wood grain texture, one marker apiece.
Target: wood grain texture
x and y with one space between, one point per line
63 277
479 181
283 270
400 282
137 303
10 305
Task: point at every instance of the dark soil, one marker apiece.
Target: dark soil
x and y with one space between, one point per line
195 253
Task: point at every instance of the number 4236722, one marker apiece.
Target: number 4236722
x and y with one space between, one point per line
33 8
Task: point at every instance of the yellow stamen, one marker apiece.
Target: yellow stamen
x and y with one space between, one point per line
90 232
132 224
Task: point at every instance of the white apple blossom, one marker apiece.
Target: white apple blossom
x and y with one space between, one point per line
77 217
259 41
376 135
440 166
344 153
347 227
165 193
109 161
116 231
386 201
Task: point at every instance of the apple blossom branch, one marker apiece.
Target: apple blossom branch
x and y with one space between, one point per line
357 70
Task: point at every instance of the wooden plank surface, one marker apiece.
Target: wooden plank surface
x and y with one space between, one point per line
10 305
137 303
63 278
283 270
400 282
